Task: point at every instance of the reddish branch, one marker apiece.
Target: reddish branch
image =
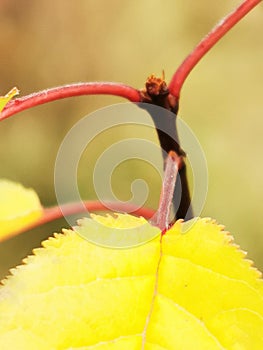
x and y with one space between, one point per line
205 45
172 166
156 93
118 89
57 212
60 92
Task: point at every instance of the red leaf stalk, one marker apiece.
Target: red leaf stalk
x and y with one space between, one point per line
60 92
172 166
57 212
206 44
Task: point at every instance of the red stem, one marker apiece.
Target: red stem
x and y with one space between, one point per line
173 164
78 89
57 212
206 43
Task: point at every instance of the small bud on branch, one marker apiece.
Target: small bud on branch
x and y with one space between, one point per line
156 93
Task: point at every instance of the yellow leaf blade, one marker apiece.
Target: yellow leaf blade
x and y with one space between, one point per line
5 99
19 207
173 327
166 294
24 339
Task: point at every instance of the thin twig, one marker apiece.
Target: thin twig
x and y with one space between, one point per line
60 92
173 164
57 212
205 45
156 93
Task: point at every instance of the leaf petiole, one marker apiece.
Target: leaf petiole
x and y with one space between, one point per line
206 44
173 164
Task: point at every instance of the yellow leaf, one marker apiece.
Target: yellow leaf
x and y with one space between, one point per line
130 231
190 289
5 99
19 207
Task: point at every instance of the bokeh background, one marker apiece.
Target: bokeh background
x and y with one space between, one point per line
50 43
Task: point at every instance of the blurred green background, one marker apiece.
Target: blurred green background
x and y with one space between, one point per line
50 43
